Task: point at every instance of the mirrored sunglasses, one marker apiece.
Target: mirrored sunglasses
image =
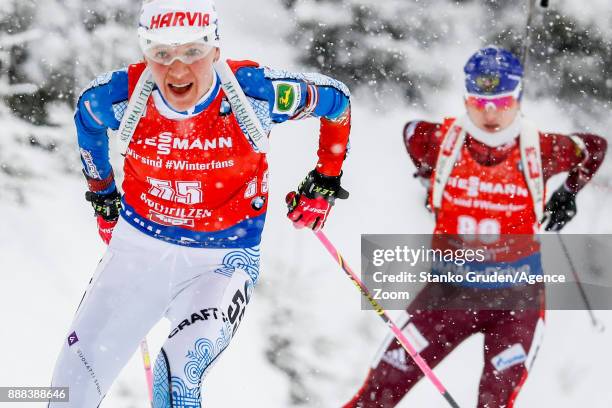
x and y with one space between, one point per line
498 103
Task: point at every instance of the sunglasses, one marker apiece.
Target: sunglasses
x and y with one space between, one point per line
497 102
186 53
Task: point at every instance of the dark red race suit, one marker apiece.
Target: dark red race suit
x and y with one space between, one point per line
440 318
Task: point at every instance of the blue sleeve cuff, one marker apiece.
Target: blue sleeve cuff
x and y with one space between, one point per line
332 103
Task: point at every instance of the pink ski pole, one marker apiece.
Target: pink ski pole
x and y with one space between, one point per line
383 314
146 359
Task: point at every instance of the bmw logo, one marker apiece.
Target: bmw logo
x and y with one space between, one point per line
258 202
225 108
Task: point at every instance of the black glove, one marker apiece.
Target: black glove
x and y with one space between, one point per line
106 206
317 185
560 209
311 204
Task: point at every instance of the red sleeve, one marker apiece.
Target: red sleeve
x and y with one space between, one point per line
333 143
561 154
134 73
235 65
422 140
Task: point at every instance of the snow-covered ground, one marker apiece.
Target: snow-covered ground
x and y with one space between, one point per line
305 340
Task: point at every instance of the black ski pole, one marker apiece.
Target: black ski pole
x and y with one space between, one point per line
527 36
597 324
529 28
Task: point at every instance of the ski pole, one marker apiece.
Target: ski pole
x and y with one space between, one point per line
403 340
527 36
597 324
146 360
529 29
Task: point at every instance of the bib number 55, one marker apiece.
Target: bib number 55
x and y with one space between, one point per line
184 192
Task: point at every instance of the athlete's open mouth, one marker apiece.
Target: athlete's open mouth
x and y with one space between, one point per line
180 89
492 128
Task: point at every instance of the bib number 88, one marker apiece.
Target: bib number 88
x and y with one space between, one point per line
487 230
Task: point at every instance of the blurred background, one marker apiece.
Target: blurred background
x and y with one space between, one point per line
305 341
